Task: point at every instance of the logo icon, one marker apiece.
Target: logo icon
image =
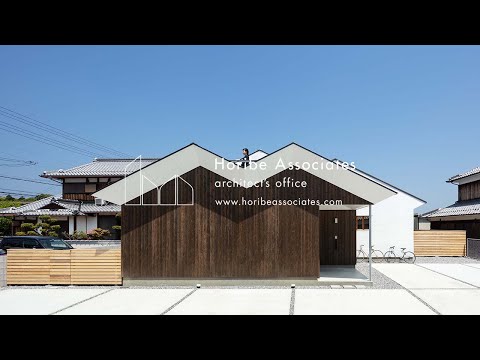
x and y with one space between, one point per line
163 194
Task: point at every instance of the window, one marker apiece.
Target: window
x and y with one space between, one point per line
53 243
90 188
11 243
74 188
30 244
363 223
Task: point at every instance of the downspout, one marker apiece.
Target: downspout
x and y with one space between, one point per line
370 242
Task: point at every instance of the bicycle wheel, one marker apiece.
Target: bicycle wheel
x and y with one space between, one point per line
360 256
377 256
389 257
409 257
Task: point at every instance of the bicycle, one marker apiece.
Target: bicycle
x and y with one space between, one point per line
377 255
407 256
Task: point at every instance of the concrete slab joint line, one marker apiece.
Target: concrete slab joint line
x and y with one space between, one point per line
424 302
437 272
292 303
80 302
179 301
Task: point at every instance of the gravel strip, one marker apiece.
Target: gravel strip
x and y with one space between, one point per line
292 303
445 260
380 281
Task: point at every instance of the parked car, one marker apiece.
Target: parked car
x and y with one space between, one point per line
34 242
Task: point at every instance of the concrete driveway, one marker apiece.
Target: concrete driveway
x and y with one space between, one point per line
422 289
208 301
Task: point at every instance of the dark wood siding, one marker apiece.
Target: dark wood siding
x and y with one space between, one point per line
471 226
469 191
220 241
81 197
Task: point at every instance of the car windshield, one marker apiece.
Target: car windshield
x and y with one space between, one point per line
54 244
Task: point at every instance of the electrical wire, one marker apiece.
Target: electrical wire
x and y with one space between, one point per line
29 180
51 129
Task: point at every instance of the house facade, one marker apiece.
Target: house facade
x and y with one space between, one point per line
195 214
394 221
464 214
75 208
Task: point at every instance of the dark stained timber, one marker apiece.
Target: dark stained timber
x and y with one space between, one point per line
207 240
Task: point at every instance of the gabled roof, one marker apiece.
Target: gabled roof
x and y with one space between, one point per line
383 182
464 175
193 156
468 207
66 208
100 167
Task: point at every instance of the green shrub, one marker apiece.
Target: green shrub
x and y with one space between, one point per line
80 235
98 234
52 234
20 233
28 227
5 225
32 233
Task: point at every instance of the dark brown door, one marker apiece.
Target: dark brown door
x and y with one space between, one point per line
337 237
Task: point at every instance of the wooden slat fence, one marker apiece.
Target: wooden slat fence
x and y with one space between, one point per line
440 242
64 267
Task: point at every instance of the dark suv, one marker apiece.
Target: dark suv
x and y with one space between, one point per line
33 242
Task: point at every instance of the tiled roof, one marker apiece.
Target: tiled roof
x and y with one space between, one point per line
70 208
101 167
27 207
469 207
468 173
92 208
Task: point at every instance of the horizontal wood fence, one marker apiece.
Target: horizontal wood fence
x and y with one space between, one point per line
64 267
440 242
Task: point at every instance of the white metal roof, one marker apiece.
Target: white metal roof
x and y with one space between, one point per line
193 156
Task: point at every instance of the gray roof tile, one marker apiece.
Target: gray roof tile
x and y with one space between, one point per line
70 208
469 207
468 173
101 167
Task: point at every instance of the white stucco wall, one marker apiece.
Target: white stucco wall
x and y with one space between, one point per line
70 225
84 223
391 225
424 224
91 222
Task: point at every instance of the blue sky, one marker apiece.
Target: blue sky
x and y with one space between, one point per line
407 114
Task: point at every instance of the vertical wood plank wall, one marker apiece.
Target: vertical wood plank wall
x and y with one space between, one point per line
469 191
220 241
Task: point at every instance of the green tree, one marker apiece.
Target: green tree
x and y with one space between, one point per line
41 196
44 228
5 226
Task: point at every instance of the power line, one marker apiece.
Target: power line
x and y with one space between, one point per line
51 129
17 194
54 132
12 191
14 127
28 180
28 162
84 153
